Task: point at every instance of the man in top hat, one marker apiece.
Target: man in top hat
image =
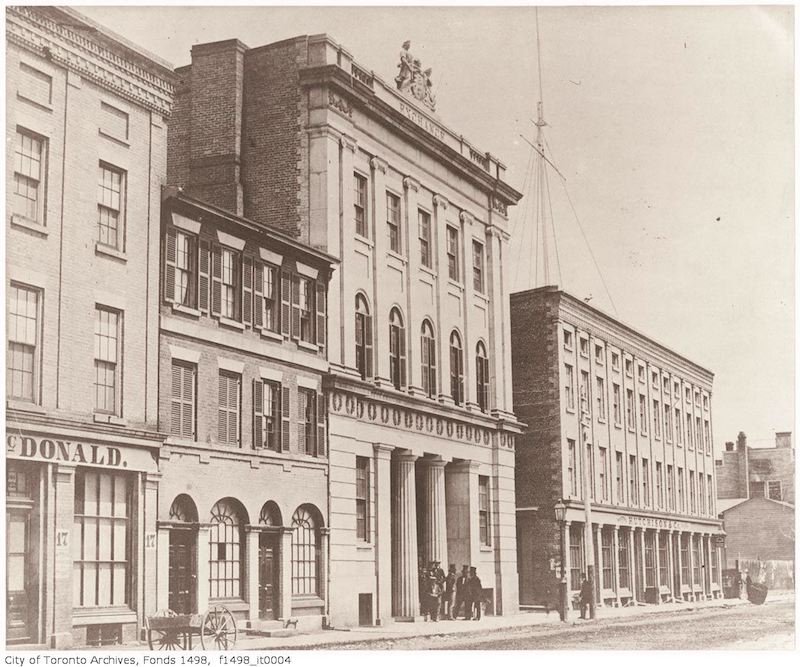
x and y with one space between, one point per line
461 591
474 595
450 592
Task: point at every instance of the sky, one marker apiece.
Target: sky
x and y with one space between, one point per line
673 130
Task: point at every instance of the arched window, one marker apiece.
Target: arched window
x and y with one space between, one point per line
397 349
226 554
270 515
183 510
456 369
482 376
305 553
363 338
428 360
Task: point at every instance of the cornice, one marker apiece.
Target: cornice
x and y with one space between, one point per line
31 30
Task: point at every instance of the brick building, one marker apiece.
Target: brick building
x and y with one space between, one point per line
644 452
297 136
85 156
243 500
757 472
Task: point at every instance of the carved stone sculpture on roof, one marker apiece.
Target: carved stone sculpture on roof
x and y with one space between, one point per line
413 79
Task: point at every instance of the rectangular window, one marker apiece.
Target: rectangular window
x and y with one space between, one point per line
362 498
614 361
608 559
110 206
29 160
617 405
646 482
425 254
590 466
600 397
620 478
107 360
185 269
684 539
654 376
659 485
757 489
35 86
306 304
113 122
575 557
101 539
269 281
598 355
183 399
572 468
629 367
701 493
569 389
477 267
267 404
649 560
697 558
22 357
629 413
633 475
773 489
670 489
230 284
710 495
681 491
483 510
624 560
230 390
360 204
307 421
656 419
583 390
584 346
603 465
452 254
640 373
689 434
393 222
642 414
698 429
692 493
707 435
567 339
668 423
678 427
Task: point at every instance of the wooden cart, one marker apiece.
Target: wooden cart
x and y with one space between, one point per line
168 631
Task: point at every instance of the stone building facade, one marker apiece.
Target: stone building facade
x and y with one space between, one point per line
85 155
243 501
616 416
297 136
757 472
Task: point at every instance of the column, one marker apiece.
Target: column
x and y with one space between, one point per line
657 544
567 564
203 592
411 220
151 563
633 575
285 571
60 633
383 532
718 553
380 328
691 566
670 567
435 520
680 566
461 497
494 284
251 572
465 257
340 338
440 205
405 589
709 568
642 573
162 571
598 541
615 564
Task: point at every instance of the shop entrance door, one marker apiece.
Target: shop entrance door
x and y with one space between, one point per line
268 576
20 607
182 574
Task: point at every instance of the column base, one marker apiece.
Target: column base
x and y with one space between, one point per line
408 619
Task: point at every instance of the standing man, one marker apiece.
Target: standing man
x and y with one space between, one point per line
461 591
586 595
450 592
475 592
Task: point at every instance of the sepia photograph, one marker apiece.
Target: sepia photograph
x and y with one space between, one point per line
410 328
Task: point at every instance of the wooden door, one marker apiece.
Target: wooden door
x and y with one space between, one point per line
268 588
20 608
182 574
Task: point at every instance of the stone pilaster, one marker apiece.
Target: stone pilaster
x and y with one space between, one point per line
60 633
411 217
679 569
567 564
657 559
162 571
324 589
341 346
615 551
470 387
599 574
440 205
203 572
642 566
435 520
383 532
633 574
251 572
285 573
690 537
380 329
151 560
405 584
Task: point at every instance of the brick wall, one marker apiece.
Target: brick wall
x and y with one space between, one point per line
773 465
731 479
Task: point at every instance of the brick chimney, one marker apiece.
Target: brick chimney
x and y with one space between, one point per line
783 440
207 162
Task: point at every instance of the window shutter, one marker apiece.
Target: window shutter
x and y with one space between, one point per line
425 363
321 424
234 391
247 290
368 345
432 353
401 343
321 313
170 257
302 424
295 307
285 421
177 383
258 414
222 420
216 281
286 303
258 295
203 276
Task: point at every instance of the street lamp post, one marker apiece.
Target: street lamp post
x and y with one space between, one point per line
563 606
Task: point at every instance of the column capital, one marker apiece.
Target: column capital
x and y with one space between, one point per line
466 217
405 455
471 465
378 164
434 461
493 231
440 201
382 451
410 183
348 142
325 531
325 132
616 528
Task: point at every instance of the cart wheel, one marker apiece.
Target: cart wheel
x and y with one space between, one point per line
164 640
218 629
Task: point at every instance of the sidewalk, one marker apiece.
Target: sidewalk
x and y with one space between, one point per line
334 639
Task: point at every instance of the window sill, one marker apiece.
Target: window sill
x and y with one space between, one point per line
186 310
233 604
40 105
27 406
271 335
365 546
485 548
455 284
397 256
108 251
113 420
116 140
480 296
363 240
618 425
233 324
428 271
307 602
307 346
29 225
92 615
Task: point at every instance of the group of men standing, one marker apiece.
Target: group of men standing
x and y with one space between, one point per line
450 595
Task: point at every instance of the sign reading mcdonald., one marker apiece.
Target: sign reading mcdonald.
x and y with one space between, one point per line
46 449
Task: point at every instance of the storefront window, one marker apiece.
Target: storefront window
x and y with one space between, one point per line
305 548
101 539
225 559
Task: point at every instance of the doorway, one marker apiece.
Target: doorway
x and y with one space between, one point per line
268 572
20 607
182 570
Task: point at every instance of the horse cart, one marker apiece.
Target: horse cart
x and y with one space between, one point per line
168 631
